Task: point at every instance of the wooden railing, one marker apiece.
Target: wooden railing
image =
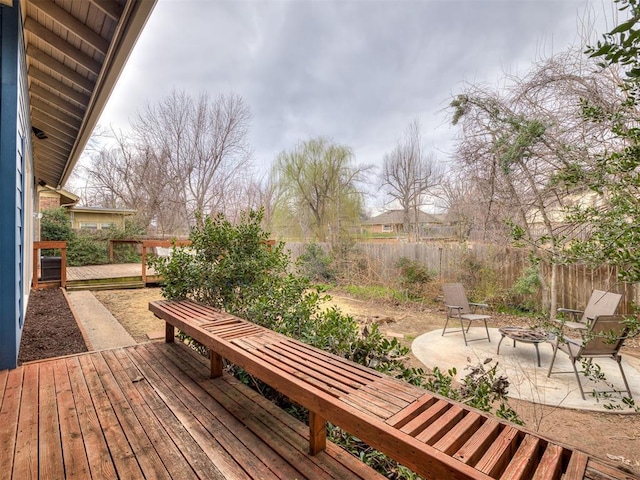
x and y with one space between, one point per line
57 245
158 243
116 241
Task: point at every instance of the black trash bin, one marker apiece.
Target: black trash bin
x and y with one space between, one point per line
50 268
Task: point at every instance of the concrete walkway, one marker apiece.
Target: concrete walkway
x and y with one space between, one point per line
100 329
528 381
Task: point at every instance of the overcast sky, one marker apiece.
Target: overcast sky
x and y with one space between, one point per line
355 71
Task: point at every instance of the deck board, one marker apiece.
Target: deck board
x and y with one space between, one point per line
9 417
26 453
50 452
151 411
267 423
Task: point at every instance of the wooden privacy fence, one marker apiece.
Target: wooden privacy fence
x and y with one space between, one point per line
452 261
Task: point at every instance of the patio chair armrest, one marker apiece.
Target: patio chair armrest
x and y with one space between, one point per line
483 305
570 311
474 305
573 341
574 325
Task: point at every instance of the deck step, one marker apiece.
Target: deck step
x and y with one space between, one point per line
76 286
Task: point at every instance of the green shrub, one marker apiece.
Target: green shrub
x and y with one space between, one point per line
522 292
87 249
481 388
414 277
315 263
55 225
481 277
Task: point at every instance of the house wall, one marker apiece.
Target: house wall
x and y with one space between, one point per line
379 228
100 219
49 200
16 186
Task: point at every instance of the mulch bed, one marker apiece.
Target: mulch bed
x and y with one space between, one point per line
50 329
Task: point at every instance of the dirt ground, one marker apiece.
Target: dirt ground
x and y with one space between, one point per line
612 435
50 330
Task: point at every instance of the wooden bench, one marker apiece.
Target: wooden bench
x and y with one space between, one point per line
434 436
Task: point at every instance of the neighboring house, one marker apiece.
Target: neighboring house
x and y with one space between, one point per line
392 222
98 218
59 62
558 210
49 197
82 218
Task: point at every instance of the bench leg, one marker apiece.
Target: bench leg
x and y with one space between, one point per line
317 433
169 332
216 364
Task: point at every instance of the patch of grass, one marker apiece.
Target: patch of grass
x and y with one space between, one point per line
373 292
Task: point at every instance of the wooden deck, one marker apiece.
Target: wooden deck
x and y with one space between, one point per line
150 411
111 276
104 272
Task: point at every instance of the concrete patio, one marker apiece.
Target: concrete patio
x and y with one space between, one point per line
528 381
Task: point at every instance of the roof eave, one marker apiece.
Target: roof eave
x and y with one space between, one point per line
136 15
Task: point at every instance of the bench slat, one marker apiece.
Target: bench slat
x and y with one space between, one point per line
426 418
525 460
459 434
407 414
550 466
480 441
496 458
439 428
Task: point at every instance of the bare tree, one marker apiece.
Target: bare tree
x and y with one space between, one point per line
124 176
204 142
519 146
183 156
409 176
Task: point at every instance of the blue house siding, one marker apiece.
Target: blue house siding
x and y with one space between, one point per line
16 188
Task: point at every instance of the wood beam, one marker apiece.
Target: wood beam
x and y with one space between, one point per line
61 69
72 24
47 163
59 87
53 136
62 145
42 93
55 113
62 46
63 129
53 146
60 157
111 8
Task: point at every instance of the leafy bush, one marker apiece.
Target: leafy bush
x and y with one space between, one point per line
315 263
481 388
55 225
523 290
481 277
414 277
87 249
